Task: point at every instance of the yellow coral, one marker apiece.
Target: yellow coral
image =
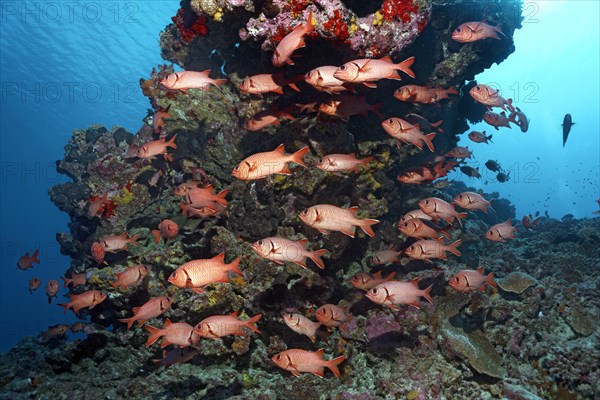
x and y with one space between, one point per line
218 15
124 198
412 395
378 19
247 380
353 28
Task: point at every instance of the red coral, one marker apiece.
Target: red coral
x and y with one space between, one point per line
190 30
107 208
403 10
337 26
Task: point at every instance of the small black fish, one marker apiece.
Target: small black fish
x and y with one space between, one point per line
470 171
566 125
502 177
493 166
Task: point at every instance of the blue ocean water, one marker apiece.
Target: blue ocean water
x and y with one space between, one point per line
66 65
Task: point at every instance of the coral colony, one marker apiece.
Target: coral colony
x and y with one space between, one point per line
283 216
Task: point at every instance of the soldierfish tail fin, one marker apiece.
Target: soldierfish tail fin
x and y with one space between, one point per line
444 231
405 65
298 157
34 257
293 86
489 138
490 280
428 139
235 266
218 82
65 305
452 248
489 204
460 216
171 143
366 161
498 28
375 108
128 321
316 257
309 27
156 235
425 293
155 334
437 125
333 365
451 90
365 225
220 197
67 281
510 106
250 323
133 239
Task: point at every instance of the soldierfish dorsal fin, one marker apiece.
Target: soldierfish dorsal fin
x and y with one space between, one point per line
234 314
353 210
280 149
480 270
219 257
319 353
303 242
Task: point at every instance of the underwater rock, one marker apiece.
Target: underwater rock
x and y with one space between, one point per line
581 321
516 282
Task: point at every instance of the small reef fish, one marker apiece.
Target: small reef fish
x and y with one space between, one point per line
414 214
34 284
344 106
423 94
343 162
185 80
292 42
132 276
59 330
322 79
472 201
51 289
205 197
470 280
280 250
266 83
77 327
416 176
490 97
98 253
197 274
261 165
497 120
406 132
332 316
217 326
566 127
385 257
150 150
529 222
153 181
75 280
422 229
115 243
369 70
365 281
151 309
179 333
501 232
175 356
394 293
424 123
167 229
90 299
493 166
97 205
474 31
26 261
297 361
521 119
480 137
327 217
440 209
459 152
502 177
470 171
302 325
428 249
262 119
158 120
441 184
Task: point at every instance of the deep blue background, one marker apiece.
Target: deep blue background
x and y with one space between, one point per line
101 49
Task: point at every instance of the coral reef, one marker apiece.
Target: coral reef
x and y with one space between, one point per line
534 336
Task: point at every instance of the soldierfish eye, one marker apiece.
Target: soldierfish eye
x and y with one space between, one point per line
278 356
374 291
478 87
457 279
458 29
391 121
260 242
174 274
343 67
427 202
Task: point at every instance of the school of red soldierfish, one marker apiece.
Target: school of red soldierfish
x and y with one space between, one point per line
421 224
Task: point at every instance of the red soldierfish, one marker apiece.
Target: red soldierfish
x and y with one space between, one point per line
323 80
368 70
302 325
459 152
469 280
197 274
384 257
90 299
34 284
428 249
132 276
332 316
326 218
75 280
261 165
26 261
97 205
417 176
342 162
393 293
154 148
497 120
490 97
291 42
420 229
297 361
423 94
280 250
473 31
265 118
265 83
501 232
51 289
472 201
403 131
344 106
185 80
414 214
365 281
201 197
218 326
179 333
167 229
175 356
521 119
440 209
480 137
151 309
114 243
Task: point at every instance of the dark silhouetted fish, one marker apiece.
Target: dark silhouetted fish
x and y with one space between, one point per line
567 124
502 177
493 166
470 171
